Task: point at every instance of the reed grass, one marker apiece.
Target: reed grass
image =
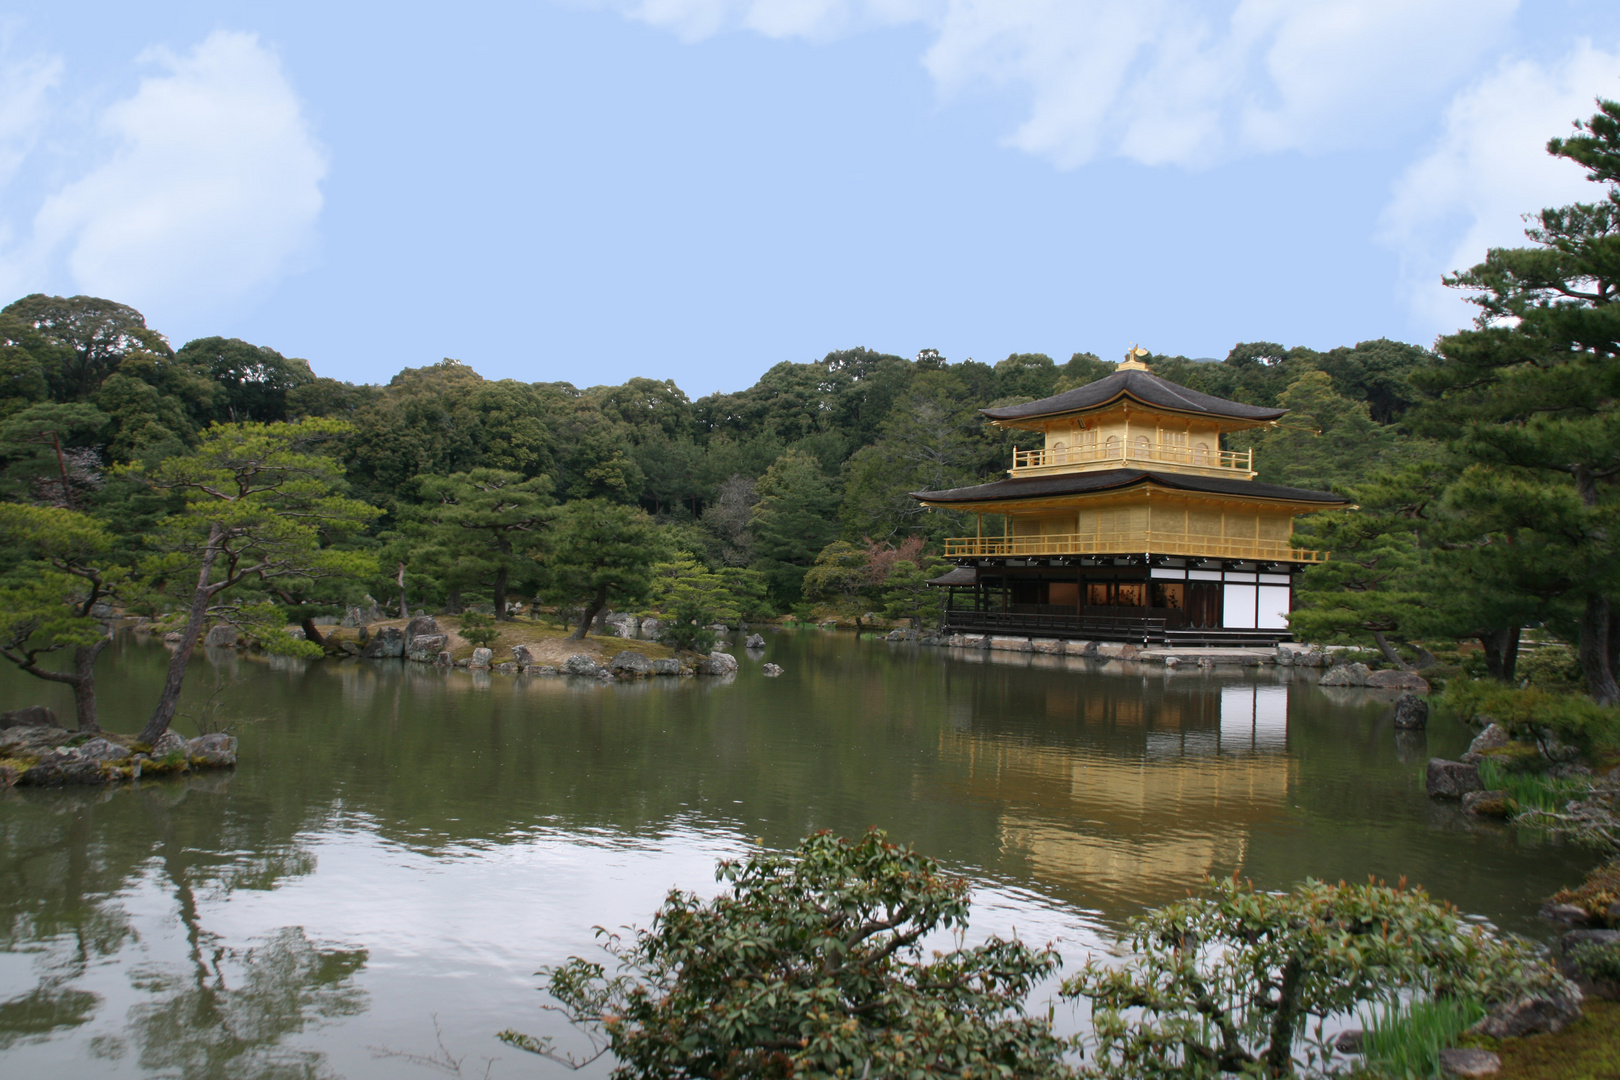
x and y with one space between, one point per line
1402 1041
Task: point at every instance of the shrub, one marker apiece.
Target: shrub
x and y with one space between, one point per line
1227 981
811 965
1403 1042
1552 666
1600 960
1530 791
685 629
1530 712
479 629
1594 895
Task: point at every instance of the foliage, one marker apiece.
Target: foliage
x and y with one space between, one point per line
793 520
601 551
1228 980
479 630
1594 895
689 597
1531 790
1403 1041
262 515
1552 665
483 528
1598 960
907 594
1532 712
812 965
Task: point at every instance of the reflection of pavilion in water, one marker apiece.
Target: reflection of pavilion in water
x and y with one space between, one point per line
1125 822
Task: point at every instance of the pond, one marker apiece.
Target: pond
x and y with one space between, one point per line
402 847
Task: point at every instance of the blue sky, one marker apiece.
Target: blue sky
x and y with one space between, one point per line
699 189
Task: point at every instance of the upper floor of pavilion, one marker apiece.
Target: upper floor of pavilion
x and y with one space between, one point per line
1132 419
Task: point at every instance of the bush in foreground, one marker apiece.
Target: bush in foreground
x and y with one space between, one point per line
812 966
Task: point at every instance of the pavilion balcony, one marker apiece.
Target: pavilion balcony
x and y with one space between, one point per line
1140 542
1140 454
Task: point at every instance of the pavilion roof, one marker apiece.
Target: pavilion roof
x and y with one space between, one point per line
1038 487
1142 386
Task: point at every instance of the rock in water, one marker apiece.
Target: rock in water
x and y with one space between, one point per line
99 749
1530 1015
1489 804
386 644
481 658
522 656
1347 675
1349 1041
32 716
217 750
1390 679
631 662
168 743
1451 779
579 664
718 663
1411 712
421 626
771 671
666 666
755 641
224 635
1469 1062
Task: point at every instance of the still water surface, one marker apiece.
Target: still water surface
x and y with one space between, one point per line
401 847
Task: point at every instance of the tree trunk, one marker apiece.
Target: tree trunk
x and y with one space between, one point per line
312 633
170 697
404 608
500 595
1389 651
84 685
1501 652
1596 626
592 610
452 603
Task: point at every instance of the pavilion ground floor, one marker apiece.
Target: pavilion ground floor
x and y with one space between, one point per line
1147 599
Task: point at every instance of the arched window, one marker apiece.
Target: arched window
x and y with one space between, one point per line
1144 448
1057 454
1111 447
1201 454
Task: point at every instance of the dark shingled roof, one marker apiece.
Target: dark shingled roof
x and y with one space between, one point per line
1145 387
961 575
1036 487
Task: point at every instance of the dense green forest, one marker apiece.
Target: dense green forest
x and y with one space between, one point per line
1484 471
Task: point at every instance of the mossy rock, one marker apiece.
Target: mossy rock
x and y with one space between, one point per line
1518 757
1596 894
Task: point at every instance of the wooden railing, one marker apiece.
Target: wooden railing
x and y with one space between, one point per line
1131 543
1174 454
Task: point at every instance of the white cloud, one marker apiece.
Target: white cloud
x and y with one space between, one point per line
1487 169
207 189
25 83
1181 82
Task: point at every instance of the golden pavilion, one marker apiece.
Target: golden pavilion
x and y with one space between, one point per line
1129 521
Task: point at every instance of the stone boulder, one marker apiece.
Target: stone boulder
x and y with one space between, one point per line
506 668
1451 779
1530 1015
667 666
771 671
481 658
1010 644
1411 712
421 626
386 644
425 648
718 663
216 751
353 617
99 749
1469 1062
1390 679
1048 646
522 656
1570 949
650 628
544 671
631 663
63 766
755 641
172 637
222 636
168 743
1494 737
1347 675
622 624
580 664
32 716
1488 804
